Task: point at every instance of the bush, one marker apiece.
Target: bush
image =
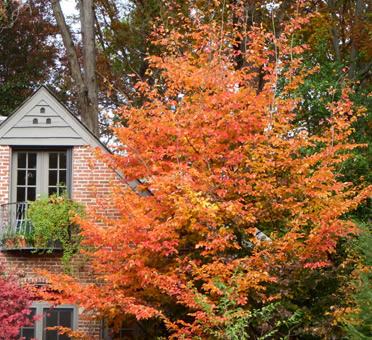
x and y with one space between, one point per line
52 224
14 306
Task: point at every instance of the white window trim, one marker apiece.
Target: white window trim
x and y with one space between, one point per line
42 168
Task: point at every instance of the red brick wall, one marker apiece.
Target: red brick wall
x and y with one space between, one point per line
90 178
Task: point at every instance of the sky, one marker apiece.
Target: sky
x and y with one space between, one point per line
69 9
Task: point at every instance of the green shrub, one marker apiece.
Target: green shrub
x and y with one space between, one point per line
52 224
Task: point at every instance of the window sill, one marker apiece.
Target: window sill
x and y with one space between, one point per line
32 249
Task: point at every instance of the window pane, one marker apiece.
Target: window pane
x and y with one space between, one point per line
22 160
21 177
61 190
62 177
63 337
21 212
53 160
28 332
65 318
63 160
126 334
52 190
32 160
32 314
21 194
53 178
31 177
31 194
51 317
50 320
51 335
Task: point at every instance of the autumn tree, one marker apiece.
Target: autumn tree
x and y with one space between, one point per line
245 224
9 14
27 51
14 306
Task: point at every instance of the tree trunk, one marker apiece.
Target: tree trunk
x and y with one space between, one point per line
359 6
89 57
333 30
86 80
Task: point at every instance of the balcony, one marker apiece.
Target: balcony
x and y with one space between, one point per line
17 231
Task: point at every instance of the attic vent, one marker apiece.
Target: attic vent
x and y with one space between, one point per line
49 121
35 121
42 110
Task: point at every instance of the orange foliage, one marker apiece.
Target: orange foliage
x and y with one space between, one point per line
223 161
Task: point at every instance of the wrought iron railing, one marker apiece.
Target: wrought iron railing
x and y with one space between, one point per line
17 231
13 218
14 225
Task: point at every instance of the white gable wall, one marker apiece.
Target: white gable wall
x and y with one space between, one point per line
61 129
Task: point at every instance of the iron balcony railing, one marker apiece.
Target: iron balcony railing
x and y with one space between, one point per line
14 225
16 230
14 218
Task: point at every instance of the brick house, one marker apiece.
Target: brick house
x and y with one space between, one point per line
43 146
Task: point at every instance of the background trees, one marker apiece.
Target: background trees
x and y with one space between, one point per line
339 41
359 323
85 76
246 233
28 53
338 37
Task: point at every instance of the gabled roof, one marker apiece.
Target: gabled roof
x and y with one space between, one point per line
42 120
63 129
